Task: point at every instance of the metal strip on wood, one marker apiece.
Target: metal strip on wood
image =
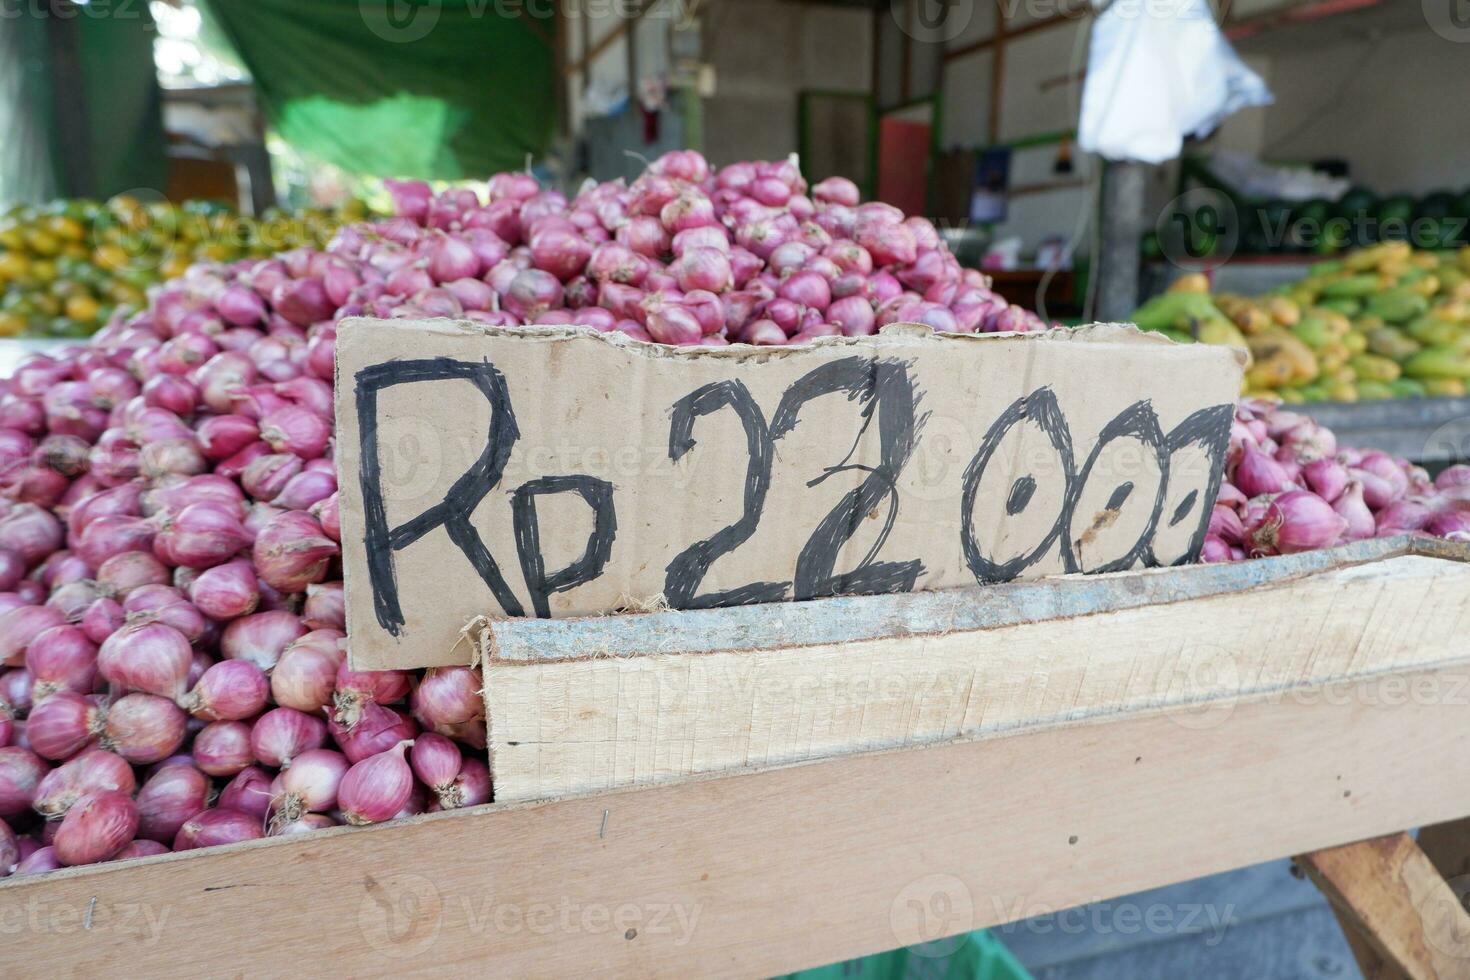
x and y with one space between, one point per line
856 618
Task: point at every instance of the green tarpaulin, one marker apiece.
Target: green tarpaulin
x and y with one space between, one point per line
442 89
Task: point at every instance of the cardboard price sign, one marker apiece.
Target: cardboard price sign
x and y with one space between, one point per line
559 472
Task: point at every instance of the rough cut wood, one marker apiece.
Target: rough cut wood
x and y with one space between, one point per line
1391 895
758 874
592 704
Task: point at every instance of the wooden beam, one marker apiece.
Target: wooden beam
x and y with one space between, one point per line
905 83
585 48
1073 12
612 36
1370 963
997 73
563 81
1236 28
762 873
1389 892
876 86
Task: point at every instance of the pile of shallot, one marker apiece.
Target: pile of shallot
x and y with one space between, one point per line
683 255
172 639
1289 487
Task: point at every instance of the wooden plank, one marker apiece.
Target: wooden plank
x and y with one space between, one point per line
1399 905
581 717
761 873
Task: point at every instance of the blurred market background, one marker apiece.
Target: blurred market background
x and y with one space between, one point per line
1288 176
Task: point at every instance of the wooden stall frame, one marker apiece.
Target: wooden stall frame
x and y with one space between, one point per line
760 872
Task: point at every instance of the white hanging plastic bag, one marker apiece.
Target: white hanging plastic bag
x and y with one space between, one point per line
1159 70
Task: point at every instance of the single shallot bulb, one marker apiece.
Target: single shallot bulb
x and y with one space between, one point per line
377 730
94 771
30 532
226 591
309 785
222 436
448 696
376 788
307 823
167 605
306 675
280 735
144 728
1452 524
1350 506
231 690
129 570
1298 520
435 760
261 638
1403 516
1258 473
21 771
140 849
170 796
292 552
215 827
149 657
325 607
356 688
470 788
61 659
222 748
20 626
1327 478
295 430
96 828
249 792
40 861
201 536
62 725
326 511
102 618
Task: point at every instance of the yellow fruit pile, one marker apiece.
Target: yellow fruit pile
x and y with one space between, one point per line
1384 322
65 267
